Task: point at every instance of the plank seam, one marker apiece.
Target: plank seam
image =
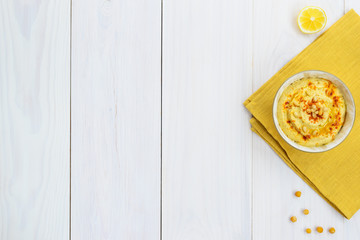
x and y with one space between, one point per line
70 62
252 134
161 110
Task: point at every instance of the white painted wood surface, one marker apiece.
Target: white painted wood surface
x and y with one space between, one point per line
207 143
34 119
115 119
161 146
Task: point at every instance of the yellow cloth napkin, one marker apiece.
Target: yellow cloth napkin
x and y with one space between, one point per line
334 174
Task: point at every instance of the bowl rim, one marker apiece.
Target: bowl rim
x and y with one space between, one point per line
293 143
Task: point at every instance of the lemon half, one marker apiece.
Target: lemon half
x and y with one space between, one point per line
311 19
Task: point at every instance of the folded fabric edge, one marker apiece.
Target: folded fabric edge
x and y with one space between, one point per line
247 101
264 134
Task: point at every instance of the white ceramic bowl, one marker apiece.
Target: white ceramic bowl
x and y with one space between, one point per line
349 117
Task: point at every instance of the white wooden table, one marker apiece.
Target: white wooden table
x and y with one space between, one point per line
123 119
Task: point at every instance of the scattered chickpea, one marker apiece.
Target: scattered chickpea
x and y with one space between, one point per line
293 219
332 230
298 193
319 229
308 230
306 211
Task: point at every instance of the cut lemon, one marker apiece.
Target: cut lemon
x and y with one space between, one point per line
311 19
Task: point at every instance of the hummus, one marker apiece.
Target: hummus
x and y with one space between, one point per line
311 111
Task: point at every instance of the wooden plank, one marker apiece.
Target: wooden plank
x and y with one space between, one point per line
206 134
116 100
34 119
277 39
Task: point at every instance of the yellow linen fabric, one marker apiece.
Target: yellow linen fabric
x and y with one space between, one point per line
334 174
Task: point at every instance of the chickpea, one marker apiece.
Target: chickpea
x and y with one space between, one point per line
293 219
308 230
298 193
306 211
319 229
332 230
